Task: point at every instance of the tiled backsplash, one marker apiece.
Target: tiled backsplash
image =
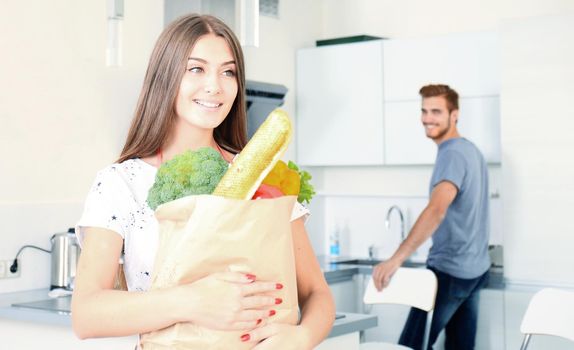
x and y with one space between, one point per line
361 220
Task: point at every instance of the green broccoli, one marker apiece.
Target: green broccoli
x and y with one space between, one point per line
192 172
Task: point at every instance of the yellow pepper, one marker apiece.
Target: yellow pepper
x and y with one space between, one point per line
283 178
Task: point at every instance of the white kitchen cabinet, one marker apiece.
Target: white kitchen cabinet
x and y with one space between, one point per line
479 121
358 104
340 104
345 295
467 62
490 328
407 143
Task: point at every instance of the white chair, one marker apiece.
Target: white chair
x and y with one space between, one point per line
550 312
410 287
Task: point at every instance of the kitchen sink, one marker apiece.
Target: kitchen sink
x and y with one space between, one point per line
373 262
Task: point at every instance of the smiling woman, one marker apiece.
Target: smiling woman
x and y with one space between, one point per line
193 96
196 60
209 85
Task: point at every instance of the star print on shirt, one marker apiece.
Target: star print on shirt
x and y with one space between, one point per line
114 217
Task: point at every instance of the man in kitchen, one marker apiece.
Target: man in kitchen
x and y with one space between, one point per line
457 218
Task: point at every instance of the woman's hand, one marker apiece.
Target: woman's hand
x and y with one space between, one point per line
227 301
280 336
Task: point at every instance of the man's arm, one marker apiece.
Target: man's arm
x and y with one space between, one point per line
441 197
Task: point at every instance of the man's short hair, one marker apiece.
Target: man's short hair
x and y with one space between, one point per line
434 90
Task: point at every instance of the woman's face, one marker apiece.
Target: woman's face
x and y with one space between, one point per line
209 85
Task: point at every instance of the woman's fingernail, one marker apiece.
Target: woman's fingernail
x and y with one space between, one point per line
278 286
250 277
272 312
278 301
259 321
245 337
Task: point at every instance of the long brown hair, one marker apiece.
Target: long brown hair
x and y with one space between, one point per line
155 115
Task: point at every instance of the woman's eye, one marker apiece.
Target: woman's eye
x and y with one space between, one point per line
229 73
195 69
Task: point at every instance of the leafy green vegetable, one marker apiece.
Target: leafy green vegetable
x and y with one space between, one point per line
306 191
192 172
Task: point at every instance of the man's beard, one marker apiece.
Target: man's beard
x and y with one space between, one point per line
442 132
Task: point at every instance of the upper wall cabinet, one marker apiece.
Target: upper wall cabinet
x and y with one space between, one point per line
358 104
466 62
479 121
406 136
340 104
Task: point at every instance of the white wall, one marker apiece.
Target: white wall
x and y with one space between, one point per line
415 18
63 115
537 142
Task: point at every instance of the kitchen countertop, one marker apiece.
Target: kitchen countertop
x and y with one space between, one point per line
335 271
349 323
31 315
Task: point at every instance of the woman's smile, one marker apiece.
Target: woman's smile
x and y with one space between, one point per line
208 104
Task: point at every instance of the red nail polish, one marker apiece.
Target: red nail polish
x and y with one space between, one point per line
278 301
272 312
245 337
250 277
259 321
278 286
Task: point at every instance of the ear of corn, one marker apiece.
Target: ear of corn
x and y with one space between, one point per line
257 159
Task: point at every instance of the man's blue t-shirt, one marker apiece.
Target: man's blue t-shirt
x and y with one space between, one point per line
460 244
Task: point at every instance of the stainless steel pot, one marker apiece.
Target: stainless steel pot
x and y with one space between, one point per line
65 255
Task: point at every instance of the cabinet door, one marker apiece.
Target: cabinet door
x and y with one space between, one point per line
406 141
345 295
340 104
467 62
479 121
490 327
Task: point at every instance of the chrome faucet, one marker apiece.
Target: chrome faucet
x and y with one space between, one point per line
388 221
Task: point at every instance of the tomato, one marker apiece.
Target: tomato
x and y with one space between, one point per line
267 191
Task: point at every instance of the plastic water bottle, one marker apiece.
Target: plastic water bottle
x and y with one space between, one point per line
334 243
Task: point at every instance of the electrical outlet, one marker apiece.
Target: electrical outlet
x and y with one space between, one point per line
15 274
7 264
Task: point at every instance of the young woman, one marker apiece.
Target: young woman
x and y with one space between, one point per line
192 97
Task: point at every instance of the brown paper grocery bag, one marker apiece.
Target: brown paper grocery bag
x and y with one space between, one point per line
203 234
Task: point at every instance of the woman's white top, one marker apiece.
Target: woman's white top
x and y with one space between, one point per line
117 202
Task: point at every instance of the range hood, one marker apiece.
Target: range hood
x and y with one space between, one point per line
262 98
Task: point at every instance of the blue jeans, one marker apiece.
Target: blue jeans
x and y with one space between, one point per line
455 311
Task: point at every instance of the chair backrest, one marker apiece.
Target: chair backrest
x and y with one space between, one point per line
550 312
408 286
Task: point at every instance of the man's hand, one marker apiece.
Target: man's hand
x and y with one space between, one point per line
383 272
